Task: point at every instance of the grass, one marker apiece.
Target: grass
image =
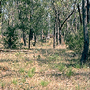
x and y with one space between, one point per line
2 85
69 72
44 83
77 66
31 72
21 70
58 67
14 81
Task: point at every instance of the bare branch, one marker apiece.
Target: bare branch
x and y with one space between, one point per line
79 13
67 18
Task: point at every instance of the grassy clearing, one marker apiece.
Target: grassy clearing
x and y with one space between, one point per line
41 69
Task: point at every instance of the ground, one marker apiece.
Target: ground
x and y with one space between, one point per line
42 68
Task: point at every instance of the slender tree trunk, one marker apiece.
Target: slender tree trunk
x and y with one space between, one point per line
54 34
0 9
42 34
86 37
54 38
29 40
79 14
24 38
34 39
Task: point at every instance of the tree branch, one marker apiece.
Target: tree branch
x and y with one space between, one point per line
79 14
67 18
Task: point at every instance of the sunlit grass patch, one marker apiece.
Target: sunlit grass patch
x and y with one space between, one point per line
31 72
21 70
78 87
44 83
2 84
23 80
17 54
14 81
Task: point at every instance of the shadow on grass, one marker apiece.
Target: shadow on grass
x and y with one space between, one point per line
8 60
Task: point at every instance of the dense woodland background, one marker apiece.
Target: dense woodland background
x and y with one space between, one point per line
38 25
42 19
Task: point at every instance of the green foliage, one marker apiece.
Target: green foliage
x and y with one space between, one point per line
2 84
11 37
61 67
77 66
14 81
75 41
31 72
21 70
69 72
44 83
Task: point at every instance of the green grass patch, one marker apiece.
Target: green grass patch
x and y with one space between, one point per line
14 81
61 67
31 72
69 72
77 66
21 70
44 83
2 84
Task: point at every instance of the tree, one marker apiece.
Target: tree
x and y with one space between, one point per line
85 32
0 9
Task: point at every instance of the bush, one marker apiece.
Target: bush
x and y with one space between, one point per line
11 37
74 41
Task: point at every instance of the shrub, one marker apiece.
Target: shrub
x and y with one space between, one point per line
11 37
75 41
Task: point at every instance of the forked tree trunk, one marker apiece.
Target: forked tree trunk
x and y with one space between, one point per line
86 37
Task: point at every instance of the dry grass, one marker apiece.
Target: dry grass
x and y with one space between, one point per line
42 68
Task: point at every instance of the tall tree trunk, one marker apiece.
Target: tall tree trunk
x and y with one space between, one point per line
24 38
86 37
34 39
54 38
0 9
29 40
88 12
54 34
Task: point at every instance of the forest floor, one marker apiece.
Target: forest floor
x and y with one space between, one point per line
42 68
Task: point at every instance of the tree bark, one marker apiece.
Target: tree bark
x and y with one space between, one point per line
0 9
79 14
86 37
34 39
24 38
88 12
54 34
29 40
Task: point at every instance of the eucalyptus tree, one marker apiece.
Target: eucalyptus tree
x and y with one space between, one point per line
85 15
62 12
